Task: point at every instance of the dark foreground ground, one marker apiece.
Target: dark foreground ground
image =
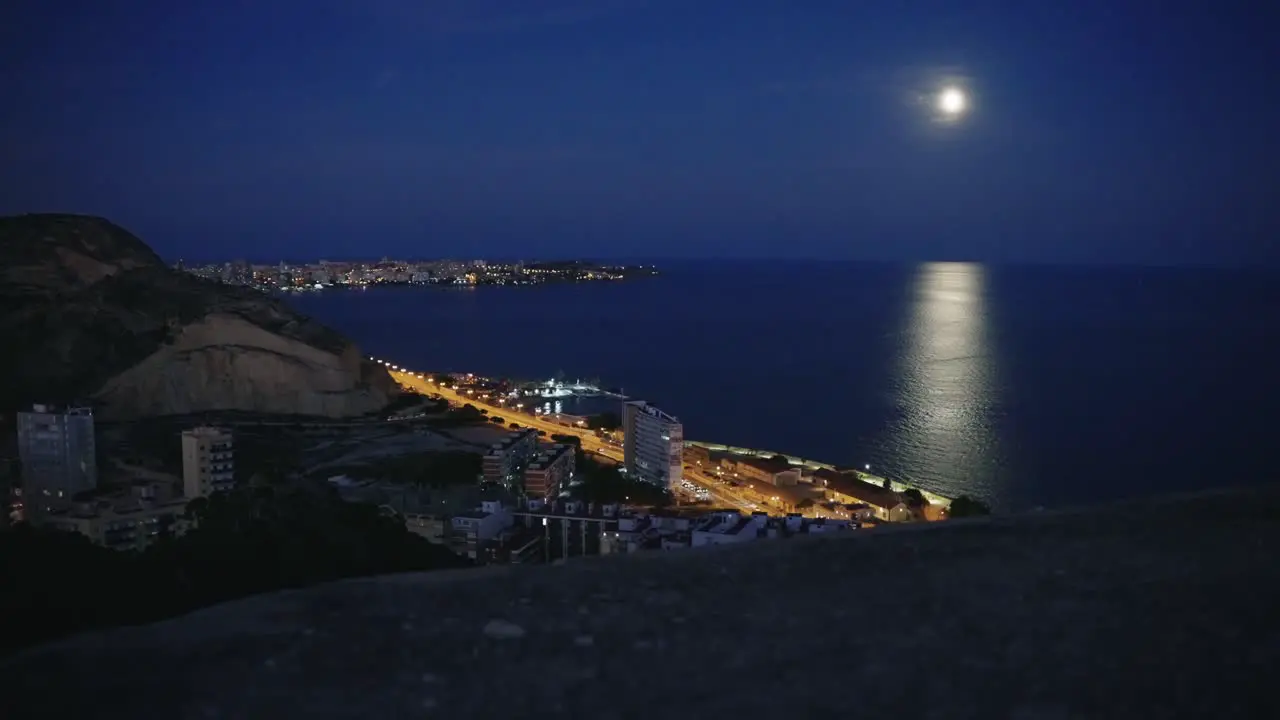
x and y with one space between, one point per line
1163 609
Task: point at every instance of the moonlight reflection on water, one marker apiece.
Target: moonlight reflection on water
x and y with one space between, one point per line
947 386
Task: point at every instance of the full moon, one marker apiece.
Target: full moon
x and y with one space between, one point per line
951 101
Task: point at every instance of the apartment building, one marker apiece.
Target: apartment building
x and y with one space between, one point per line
125 520
653 444
208 461
550 471
471 531
58 457
505 460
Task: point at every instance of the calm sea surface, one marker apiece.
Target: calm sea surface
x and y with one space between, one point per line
1024 386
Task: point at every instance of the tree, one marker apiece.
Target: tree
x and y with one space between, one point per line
467 413
573 440
914 498
782 459
887 483
495 419
604 421
443 380
514 426
664 500
605 484
965 506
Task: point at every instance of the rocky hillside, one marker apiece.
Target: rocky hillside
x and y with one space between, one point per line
1158 609
88 311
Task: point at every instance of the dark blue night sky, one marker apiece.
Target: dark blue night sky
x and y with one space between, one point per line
1100 130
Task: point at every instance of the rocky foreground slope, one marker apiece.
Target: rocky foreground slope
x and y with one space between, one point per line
1158 609
87 310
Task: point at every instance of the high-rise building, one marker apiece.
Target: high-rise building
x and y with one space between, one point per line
208 461
58 457
653 444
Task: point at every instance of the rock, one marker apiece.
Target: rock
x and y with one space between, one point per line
102 317
503 630
1159 609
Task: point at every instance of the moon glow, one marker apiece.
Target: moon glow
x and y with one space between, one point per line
952 102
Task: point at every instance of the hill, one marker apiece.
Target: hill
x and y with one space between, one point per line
89 311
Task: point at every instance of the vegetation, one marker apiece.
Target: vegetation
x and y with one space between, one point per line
255 539
265 453
607 484
465 415
604 421
573 440
514 426
443 379
914 498
429 469
965 506
496 419
403 401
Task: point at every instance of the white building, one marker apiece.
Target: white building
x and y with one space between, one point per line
471 530
208 463
731 526
653 444
58 455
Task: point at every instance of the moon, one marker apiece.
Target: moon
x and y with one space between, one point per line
952 101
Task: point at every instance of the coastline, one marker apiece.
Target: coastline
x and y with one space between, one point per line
865 476
347 287
401 375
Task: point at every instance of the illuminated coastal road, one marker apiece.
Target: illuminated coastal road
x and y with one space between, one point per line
721 494
590 441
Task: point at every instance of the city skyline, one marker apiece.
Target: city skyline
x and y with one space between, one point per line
1095 133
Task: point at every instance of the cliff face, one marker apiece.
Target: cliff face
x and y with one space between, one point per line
88 310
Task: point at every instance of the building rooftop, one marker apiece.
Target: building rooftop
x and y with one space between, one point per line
765 464
793 494
510 439
50 409
867 493
652 411
1158 609
206 431
549 456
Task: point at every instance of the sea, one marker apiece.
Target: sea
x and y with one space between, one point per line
1027 387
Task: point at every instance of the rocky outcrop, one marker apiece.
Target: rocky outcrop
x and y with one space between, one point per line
226 362
1160 609
89 311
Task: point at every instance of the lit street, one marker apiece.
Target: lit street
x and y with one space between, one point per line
719 492
590 441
